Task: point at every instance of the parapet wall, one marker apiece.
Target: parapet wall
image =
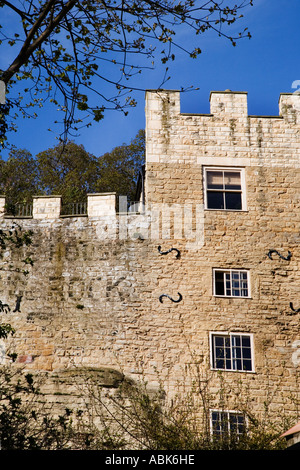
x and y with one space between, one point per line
49 207
228 135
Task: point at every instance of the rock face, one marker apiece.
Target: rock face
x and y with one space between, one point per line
204 279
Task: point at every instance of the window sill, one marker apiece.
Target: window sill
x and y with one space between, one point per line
232 297
225 210
234 370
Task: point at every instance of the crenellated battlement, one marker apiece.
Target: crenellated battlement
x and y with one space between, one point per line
227 102
50 207
228 135
235 103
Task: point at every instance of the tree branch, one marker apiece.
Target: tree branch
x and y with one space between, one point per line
28 48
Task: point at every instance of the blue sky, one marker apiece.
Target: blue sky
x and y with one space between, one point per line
264 66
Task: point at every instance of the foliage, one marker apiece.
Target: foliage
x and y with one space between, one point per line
24 423
16 237
134 417
19 177
83 55
130 417
119 168
70 171
5 126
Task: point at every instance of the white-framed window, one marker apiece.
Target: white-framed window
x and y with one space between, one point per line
231 282
232 351
225 188
226 423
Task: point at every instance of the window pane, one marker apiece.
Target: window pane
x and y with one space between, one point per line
233 201
215 421
246 353
247 365
214 179
219 352
225 422
232 180
219 283
227 189
228 364
236 353
236 423
220 361
215 200
222 350
220 364
246 341
236 293
233 283
236 341
219 340
223 417
237 364
232 352
219 423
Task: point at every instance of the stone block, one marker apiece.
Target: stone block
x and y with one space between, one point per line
101 204
289 106
46 207
228 103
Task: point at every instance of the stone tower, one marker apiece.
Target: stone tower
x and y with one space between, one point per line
202 279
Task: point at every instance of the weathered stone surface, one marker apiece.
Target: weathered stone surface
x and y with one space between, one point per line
91 298
46 207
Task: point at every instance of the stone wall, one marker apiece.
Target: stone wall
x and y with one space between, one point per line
266 148
101 295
